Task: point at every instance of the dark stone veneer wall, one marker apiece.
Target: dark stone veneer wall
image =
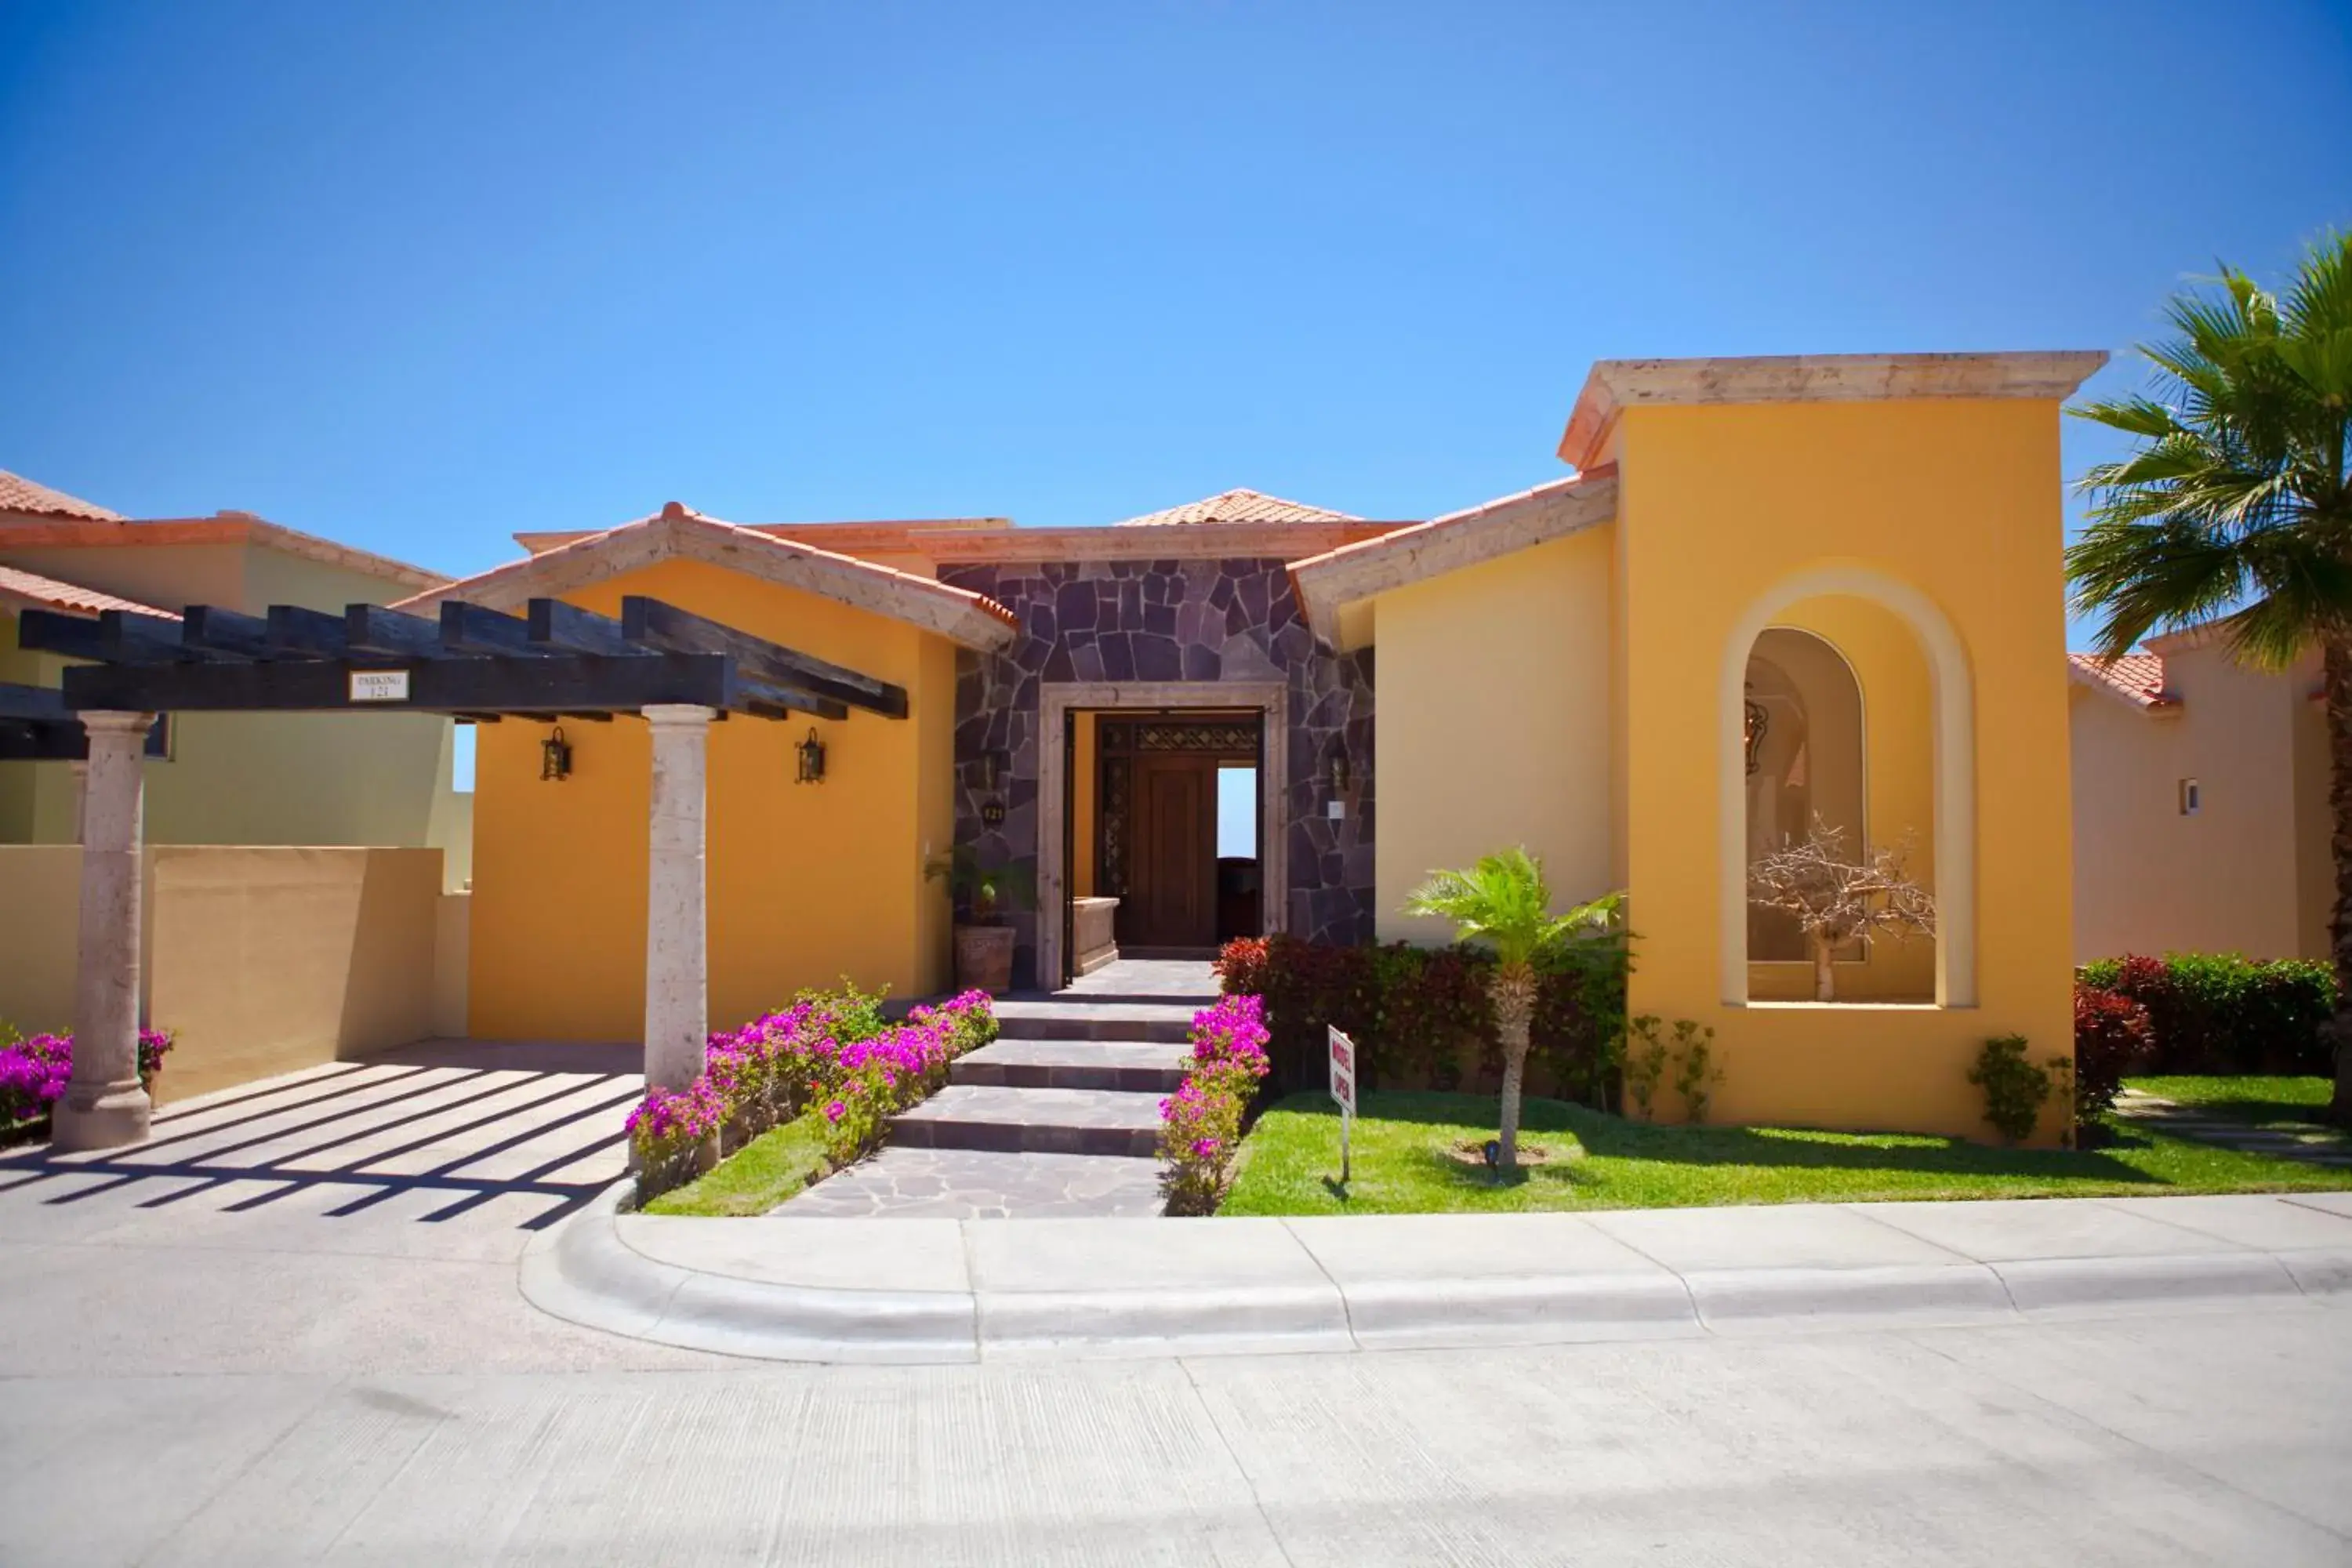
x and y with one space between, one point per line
1171 620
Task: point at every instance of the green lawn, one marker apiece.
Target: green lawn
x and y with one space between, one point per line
2260 1100
1290 1164
773 1166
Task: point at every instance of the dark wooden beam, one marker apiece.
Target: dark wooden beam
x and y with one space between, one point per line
653 624
307 633
478 718
126 636
35 704
372 628
543 687
210 628
589 718
62 738
570 629
472 629
765 702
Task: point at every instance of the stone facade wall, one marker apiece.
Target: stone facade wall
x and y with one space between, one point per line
1171 620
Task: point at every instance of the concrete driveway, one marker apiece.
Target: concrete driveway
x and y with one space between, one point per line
360 1217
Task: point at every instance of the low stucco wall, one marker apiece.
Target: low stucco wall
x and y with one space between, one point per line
260 959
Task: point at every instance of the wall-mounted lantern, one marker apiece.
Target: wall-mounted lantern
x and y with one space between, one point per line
1755 722
812 759
991 772
555 757
1339 768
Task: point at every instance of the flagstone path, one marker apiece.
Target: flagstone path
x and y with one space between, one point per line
1058 1117
2312 1142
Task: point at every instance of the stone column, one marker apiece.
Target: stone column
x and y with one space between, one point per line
80 794
104 1106
677 959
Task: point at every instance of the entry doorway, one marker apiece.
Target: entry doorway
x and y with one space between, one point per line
1176 803
1087 828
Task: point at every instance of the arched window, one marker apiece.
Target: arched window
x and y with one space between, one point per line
1804 758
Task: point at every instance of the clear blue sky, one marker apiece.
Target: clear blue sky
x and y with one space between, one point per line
416 275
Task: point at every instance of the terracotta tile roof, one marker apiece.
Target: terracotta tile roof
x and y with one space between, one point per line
1238 506
20 494
49 593
2136 678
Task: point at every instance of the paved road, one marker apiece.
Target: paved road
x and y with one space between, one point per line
287 1334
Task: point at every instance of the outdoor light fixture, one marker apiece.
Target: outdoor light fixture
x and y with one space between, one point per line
1338 769
811 755
992 770
1755 723
555 756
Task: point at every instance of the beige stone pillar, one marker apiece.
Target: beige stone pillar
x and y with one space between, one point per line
677 958
80 794
104 1106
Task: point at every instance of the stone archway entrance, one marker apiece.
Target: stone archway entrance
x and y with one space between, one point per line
1184 900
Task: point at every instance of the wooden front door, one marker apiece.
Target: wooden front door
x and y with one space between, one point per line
1173 882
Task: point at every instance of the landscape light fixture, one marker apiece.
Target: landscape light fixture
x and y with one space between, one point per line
812 756
555 757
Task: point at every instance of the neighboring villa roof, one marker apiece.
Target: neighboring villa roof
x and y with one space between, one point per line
1616 385
221 528
33 591
678 532
1329 583
18 493
1238 506
2137 679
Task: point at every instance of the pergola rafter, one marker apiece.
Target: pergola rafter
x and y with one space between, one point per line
678 670
471 662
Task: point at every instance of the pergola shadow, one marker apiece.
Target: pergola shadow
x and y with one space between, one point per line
417 1118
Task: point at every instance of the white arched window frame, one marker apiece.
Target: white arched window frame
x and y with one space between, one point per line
1954 730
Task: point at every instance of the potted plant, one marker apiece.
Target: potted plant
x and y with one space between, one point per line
985 896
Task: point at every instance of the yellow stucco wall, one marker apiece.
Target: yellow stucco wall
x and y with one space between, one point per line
249 778
260 959
1084 777
1495 724
805 882
2251 871
1956 501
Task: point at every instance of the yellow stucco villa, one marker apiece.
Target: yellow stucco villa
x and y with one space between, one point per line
1770 589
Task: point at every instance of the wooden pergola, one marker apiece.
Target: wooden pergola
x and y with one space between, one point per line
677 670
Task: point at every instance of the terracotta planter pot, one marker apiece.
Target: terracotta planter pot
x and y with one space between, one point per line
983 959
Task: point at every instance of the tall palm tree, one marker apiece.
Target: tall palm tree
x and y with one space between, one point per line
2235 508
1503 903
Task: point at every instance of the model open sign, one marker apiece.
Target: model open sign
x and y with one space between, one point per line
1343 1090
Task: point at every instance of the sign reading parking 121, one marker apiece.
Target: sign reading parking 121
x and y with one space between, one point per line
1343 1090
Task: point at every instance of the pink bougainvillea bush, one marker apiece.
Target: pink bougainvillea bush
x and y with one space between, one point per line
830 1054
34 1072
1201 1123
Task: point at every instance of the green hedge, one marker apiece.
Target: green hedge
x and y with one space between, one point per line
1420 1017
2222 1012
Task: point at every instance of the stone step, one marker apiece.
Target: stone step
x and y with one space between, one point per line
1164 1022
1047 1120
900 1183
1134 1067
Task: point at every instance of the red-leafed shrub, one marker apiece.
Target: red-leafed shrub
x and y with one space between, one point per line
1421 1017
2222 1012
2113 1038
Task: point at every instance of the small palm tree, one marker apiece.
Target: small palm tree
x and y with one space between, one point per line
1503 903
2238 509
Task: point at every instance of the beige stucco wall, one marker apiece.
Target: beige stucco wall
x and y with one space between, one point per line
1493 719
252 778
2249 872
258 959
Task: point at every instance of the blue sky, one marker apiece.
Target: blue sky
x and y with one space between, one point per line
417 276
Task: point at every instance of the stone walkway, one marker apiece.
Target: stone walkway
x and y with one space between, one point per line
2311 1142
1057 1118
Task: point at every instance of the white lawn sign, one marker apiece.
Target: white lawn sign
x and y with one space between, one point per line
1343 1090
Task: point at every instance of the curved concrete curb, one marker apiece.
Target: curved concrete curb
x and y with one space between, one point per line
1164 1287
